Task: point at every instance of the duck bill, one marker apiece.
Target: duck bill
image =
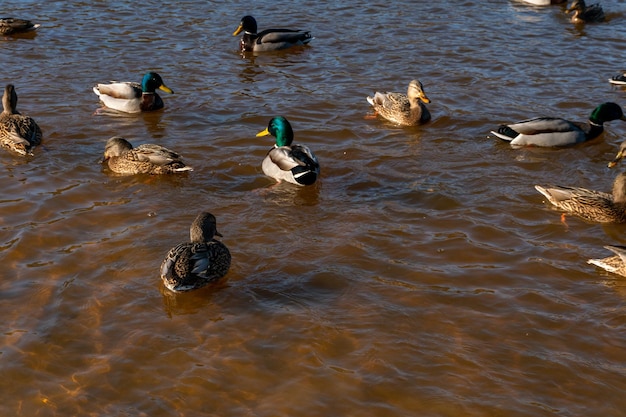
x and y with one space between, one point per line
618 158
424 98
238 30
263 132
165 88
218 234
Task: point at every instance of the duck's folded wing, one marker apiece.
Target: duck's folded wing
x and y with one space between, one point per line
539 125
283 36
155 154
126 91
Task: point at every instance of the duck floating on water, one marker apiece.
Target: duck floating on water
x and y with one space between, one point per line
131 97
595 206
287 161
614 264
18 133
269 39
619 79
200 261
584 13
403 109
555 131
13 26
122 158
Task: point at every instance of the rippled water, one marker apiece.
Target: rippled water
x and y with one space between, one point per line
423 275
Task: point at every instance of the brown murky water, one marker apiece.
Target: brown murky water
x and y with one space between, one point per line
422 276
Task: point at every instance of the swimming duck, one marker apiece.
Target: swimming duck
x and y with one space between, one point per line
269 39
194 264
122 158
554 131
615 264
131 97
591 205
618 79
17 132
584 13
12 26
285 161
406 110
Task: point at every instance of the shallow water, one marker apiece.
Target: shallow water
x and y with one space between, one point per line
423 274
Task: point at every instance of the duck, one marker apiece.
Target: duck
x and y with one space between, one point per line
614 264
618 79
403 109
18 133
620 155
269 39
122 158
286 161
595 206
584 13
201 261
131 97
13 26
555 131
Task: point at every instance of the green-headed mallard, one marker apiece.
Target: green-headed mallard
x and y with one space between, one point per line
554 131
194 264
131 97
17 132
591 205
406 110
269 39
615 264
12 26
584 13
122 158
619 79
286 161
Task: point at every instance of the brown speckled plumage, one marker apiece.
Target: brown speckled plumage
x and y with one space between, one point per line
403 109
615 264
591 205
18 133
194 264
122 158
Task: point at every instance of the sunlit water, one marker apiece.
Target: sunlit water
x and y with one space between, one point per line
422 276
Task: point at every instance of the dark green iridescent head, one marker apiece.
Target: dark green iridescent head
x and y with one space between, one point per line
151 81
281 129
606 112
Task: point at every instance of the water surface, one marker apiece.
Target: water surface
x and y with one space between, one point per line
423 274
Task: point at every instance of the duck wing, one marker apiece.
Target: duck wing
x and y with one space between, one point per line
283 36
155 154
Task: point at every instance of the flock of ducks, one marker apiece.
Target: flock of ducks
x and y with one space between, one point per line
204 259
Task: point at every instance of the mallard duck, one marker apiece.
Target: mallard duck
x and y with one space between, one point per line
285 161
17 132
618 79
269 39
131 97
591 205
406 110
122 158
615 264
194 264
554 131
12 26
584 13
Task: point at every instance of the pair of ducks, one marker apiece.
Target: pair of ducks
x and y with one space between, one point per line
286 161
